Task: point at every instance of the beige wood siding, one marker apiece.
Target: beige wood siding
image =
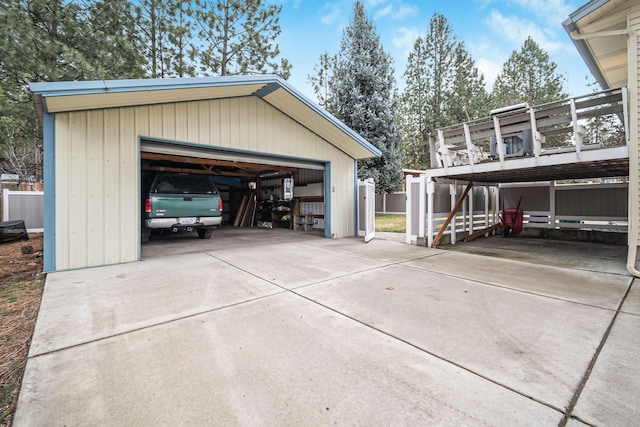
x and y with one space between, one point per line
97 167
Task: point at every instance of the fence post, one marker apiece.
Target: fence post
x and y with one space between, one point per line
422 203
453 191
485 193
407 209
431 189
471 207
552 204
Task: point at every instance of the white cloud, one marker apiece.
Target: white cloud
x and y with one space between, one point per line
395 9
490 69
517 30
405 11
385 11
404 39
331 13
552 11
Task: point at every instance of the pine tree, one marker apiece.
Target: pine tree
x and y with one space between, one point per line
238 37
321 79
49 40
361 92
166 28
443 87
528 76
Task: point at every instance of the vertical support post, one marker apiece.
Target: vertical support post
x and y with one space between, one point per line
499 142
446 159
422 205
485 192
552 204
407 216
384 202
625 113
537 146
464 214
471 211
431 189
496 211
577 139
453 192
470 147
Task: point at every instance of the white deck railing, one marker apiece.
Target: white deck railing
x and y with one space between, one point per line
553 128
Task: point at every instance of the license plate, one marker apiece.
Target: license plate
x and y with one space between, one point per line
189 220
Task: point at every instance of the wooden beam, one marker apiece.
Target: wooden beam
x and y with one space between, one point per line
479 233
212 162
198 171
453 212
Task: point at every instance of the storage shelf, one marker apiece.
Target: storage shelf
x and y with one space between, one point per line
303 222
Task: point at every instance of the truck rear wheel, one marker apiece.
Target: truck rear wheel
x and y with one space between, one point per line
205 233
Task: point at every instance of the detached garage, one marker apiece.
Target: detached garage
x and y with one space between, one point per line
248 133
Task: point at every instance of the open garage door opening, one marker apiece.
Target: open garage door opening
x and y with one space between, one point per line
256 191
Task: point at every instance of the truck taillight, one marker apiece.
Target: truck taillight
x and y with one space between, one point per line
220 205
147 205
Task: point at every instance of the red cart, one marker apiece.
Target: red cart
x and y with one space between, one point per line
511 221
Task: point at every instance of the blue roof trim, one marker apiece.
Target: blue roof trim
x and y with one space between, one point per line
272 82
581 45
330 117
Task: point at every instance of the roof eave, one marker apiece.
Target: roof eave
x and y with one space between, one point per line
571 26
42 90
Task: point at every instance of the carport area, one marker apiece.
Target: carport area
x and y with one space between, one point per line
295 329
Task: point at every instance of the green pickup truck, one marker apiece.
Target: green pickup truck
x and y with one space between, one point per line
177 201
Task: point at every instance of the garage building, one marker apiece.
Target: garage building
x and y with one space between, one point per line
101 136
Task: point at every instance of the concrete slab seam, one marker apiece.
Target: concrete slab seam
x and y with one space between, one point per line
437 356
308 284
583 382
444 359
495 285
142 328
376 259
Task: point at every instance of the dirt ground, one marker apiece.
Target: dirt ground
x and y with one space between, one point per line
21 285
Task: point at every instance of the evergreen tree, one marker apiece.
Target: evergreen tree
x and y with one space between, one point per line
238 37
114 43
361 95
166 28
49 40
322 77
528 76
443 87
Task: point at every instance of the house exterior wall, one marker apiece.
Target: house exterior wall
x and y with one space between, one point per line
97 200
634 111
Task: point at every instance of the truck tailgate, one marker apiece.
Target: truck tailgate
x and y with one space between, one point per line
183 205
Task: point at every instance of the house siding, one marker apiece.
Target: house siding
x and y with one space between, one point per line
634 100
97 198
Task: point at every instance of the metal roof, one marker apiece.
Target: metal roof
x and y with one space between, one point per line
56 97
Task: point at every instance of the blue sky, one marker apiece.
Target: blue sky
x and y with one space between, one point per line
490 29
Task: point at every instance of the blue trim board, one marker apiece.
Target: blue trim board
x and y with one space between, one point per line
49 172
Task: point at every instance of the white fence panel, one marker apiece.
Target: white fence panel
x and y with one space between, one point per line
27 206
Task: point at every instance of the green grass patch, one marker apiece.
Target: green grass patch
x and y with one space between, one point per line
393 223
9 295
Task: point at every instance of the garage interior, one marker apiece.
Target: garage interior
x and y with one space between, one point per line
257 190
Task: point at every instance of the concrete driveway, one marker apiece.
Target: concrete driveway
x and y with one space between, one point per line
270 327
